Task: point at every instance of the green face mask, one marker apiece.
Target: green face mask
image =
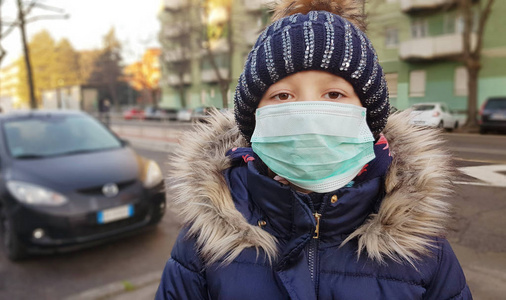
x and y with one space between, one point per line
316 145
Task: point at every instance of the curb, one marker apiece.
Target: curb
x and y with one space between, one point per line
121 288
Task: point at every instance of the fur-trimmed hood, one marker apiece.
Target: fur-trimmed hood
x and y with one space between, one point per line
411 215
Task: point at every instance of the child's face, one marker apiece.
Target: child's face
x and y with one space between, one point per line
310 86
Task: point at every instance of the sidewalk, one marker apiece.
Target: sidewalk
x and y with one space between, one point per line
140 288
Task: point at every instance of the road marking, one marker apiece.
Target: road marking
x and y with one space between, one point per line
488 174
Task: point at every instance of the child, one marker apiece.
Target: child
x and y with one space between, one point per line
308 193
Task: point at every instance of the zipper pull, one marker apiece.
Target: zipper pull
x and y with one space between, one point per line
317 229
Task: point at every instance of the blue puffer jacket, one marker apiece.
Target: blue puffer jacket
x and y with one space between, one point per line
247 236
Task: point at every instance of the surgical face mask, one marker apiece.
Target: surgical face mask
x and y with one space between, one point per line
316 145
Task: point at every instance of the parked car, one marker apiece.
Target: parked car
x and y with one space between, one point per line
67 182
433 114
159 114
200 114
150 113
184 114
134 114
167 114
493 115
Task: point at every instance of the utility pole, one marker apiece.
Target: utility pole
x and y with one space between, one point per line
21 19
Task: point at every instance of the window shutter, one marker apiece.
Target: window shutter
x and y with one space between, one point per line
392 79
417 83
460 84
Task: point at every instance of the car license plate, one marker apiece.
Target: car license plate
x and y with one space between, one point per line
498 117
419 122
115 214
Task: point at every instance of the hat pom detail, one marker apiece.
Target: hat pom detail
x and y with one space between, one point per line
351 10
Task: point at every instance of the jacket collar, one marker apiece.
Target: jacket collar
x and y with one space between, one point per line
350 207
411 214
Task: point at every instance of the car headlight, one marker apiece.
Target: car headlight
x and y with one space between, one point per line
153 175
35 195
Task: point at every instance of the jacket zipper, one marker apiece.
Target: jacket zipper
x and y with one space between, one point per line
313 249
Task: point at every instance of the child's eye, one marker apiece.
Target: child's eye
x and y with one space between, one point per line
283 96
333 95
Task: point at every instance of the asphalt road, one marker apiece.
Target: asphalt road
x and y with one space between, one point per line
478 238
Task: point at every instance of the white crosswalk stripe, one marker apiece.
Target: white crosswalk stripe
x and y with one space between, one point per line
489 175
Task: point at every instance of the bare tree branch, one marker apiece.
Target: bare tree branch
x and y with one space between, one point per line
50 8
481 25
47 17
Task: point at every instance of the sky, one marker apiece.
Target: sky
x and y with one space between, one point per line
135 21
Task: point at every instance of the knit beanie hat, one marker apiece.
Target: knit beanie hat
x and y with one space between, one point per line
313 35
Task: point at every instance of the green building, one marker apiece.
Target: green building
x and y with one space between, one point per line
188 77
417 42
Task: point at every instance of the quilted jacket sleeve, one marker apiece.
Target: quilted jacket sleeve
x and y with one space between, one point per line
182 277
449 281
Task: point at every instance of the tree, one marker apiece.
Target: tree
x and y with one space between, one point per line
144 76
87 64
472 52
41 57
219 30
107 69
23 18
65 67
54 64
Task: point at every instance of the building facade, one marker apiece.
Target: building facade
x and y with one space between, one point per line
9 83
189 77
418 42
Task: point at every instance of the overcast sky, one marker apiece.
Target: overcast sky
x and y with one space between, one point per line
135 21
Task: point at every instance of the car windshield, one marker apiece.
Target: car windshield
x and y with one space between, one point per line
423 107
496 104
50 135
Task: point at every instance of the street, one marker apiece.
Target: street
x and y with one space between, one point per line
478 234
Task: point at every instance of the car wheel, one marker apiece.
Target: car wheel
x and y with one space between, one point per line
13 247
441 125
483 130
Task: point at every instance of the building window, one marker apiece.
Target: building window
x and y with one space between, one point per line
449 23
392 79
392 37
455 23
460 82
417 83
419 29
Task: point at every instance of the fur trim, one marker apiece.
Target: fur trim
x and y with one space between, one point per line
202 198
411 215
352 10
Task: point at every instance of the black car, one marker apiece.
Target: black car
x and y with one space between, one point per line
493 115
66 181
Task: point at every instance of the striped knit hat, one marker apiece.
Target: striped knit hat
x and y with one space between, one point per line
318 40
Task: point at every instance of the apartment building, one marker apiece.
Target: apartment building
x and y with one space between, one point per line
417 42
9 84
188 76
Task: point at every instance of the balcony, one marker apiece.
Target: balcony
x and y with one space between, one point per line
255 5
417 5
209 75
437 47
174 79
173 5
